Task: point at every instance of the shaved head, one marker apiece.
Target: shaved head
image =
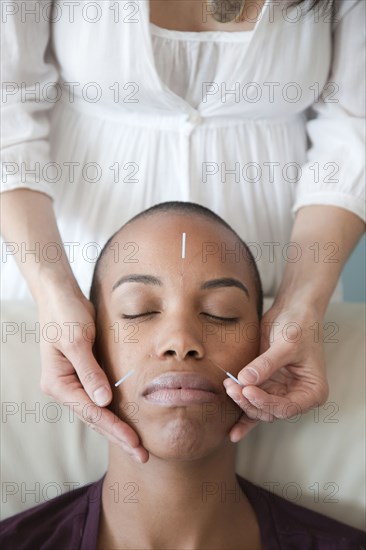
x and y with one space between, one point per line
180 209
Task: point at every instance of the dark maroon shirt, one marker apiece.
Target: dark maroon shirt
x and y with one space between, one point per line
70 522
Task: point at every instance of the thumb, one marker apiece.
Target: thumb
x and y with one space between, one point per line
92 377
261 368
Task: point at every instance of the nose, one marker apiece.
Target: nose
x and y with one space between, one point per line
181 341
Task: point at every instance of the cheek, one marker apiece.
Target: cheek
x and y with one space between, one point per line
246 349
118 358
116 339
104 347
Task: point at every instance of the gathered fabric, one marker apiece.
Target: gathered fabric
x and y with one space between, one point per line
253 125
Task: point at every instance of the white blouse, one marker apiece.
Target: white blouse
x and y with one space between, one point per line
109 114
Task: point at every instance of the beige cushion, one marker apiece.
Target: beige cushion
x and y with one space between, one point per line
317 461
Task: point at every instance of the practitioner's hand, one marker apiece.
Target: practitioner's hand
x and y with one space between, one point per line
288 377
70 373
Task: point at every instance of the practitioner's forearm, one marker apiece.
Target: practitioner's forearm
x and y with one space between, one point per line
28 221
326 236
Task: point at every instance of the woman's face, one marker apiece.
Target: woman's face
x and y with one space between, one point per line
170 319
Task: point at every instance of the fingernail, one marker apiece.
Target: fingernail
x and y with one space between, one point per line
233 394
132 454
101 396
126 448
251 375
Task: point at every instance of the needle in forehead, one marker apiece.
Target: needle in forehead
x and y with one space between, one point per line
183 245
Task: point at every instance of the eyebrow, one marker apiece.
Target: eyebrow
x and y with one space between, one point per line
225 282
144 279
155 281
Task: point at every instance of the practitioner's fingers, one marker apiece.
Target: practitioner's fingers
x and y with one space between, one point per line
71 374
249 408
293 404
60 381
243 426
263 366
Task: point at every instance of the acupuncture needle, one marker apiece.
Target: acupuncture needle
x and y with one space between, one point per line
183 245
124 377
228 374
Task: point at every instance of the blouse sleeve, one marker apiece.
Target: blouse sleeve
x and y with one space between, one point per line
334 173
29 77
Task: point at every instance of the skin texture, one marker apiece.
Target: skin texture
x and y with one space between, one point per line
188 444
291 373
193 15
70 373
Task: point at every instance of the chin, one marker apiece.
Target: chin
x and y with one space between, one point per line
183 438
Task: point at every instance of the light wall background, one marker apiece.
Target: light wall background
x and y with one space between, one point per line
354 274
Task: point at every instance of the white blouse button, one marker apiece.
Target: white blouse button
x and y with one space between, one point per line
195 118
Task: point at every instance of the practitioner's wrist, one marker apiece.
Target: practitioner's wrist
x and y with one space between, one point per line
308 298
55 284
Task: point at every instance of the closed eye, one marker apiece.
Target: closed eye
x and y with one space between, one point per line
223 319
215 317
125 316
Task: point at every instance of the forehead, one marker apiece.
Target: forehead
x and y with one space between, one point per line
165 242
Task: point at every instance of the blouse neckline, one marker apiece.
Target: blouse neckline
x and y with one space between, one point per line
201 36
250 38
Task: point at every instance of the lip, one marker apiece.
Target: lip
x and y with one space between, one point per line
181 389
181 380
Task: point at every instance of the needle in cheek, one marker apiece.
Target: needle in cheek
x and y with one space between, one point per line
235 379
124 377
228 374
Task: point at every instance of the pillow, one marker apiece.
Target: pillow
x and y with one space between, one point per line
315 460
